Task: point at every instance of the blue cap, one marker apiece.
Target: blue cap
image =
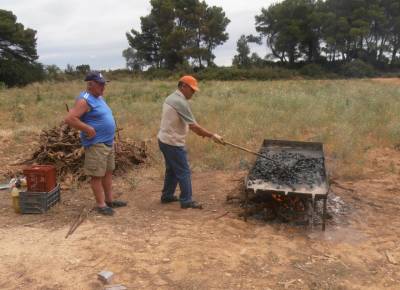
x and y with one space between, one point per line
95 76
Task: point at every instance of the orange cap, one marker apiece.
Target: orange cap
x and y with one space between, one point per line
190 81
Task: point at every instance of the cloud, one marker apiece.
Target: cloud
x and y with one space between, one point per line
86 32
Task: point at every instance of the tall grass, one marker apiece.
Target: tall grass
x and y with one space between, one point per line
349 117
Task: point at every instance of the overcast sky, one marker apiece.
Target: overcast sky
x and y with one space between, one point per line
93 32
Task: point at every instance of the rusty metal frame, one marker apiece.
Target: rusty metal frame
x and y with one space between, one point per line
293 144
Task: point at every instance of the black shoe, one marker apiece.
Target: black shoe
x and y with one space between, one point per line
116 203
105 210
169 199
191 204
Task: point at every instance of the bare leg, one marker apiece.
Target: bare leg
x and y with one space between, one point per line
97 188
106 181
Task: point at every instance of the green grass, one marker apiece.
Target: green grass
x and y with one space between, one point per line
348 116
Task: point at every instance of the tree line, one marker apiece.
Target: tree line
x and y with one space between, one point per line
348 37
330 31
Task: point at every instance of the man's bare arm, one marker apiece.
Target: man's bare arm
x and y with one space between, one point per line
73 118
196 128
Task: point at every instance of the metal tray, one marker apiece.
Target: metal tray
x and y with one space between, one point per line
310 150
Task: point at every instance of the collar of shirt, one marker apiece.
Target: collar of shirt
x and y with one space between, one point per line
179 93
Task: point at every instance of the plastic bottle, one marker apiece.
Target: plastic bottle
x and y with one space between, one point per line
15 199
23 182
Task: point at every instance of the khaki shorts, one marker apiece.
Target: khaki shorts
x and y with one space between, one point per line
99 158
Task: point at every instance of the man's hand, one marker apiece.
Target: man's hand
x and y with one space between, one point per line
218 139
90 132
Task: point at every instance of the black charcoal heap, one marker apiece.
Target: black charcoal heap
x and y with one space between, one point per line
289 169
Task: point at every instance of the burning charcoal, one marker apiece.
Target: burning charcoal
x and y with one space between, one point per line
293 169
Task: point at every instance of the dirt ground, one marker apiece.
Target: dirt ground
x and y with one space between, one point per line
152 246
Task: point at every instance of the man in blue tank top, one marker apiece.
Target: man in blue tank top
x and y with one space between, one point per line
93 117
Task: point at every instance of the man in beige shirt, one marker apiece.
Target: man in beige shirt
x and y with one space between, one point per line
177 118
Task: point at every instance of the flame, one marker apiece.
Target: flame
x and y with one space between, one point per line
293 202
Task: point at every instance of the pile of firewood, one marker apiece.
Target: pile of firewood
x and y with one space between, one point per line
61 147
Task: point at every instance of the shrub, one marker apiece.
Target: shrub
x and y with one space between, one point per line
227 73
20 73
158 74
357 69
313 70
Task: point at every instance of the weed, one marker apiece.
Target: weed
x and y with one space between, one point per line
18 111
132 182
38 95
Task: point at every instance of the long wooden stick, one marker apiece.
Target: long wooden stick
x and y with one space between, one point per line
249 151
75 223
222 215
335 183
118 139
117 129
82 220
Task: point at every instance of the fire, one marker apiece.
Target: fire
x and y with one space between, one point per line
294 202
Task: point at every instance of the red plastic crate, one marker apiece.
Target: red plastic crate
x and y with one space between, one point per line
40 178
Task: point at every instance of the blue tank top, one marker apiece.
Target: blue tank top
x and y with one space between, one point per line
100 117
